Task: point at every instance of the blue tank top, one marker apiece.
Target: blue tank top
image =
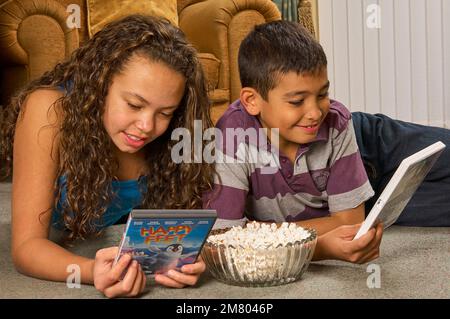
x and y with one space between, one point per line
128 196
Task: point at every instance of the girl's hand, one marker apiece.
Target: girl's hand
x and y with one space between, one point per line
188 276
107 278
339 244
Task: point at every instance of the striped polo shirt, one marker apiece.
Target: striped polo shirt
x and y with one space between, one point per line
327 176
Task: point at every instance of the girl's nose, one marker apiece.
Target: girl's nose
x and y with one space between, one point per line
146 124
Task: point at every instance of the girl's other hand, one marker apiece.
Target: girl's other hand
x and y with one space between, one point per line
188 276
108 277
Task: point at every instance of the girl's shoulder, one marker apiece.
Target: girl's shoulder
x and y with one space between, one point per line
44 96
39 119
44 106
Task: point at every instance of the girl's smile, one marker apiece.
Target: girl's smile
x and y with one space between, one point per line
134 141
140 103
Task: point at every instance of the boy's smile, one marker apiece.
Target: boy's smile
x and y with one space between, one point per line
296 106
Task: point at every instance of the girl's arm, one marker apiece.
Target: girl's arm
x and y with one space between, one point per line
34 172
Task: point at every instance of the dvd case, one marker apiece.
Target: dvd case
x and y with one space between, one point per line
160 240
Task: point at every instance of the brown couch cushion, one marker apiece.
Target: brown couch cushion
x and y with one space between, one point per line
101 12
211 67
184 3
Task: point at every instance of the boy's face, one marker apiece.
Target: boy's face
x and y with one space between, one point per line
297 106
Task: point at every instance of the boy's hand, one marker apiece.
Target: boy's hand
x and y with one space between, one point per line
339 244
107 278
188 276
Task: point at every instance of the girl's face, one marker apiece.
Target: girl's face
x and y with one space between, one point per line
140 103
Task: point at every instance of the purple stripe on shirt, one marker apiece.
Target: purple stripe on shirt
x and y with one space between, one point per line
306 214
349 169
320 178
269 185
237 120
228 201
309 213
339 116
347 174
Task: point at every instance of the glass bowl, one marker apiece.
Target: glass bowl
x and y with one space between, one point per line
257 267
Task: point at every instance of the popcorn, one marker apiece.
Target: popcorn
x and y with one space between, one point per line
261 236
264 253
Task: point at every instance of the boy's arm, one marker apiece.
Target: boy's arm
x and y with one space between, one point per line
347 186
229 195
323 225
229 202
339 244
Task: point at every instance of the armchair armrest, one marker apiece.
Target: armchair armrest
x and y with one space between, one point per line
35 34
219 26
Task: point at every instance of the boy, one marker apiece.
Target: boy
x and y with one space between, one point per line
285 87
320 181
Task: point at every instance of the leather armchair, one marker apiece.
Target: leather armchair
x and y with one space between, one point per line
34 37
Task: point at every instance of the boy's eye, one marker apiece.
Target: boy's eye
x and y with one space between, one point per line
297 103
324 95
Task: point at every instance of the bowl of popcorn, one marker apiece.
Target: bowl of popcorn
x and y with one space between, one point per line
259 254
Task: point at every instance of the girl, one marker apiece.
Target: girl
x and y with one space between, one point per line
90 140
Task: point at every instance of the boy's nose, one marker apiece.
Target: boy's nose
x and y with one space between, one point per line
314 113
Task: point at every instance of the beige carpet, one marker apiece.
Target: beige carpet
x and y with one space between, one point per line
414 263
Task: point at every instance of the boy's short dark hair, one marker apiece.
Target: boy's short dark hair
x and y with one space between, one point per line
276 48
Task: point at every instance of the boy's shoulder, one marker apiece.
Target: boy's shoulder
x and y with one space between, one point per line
236 116
338 117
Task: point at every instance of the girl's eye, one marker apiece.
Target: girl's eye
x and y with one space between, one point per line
136 107
167 114
297 103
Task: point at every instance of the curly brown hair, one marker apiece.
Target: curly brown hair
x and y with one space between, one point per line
85 148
